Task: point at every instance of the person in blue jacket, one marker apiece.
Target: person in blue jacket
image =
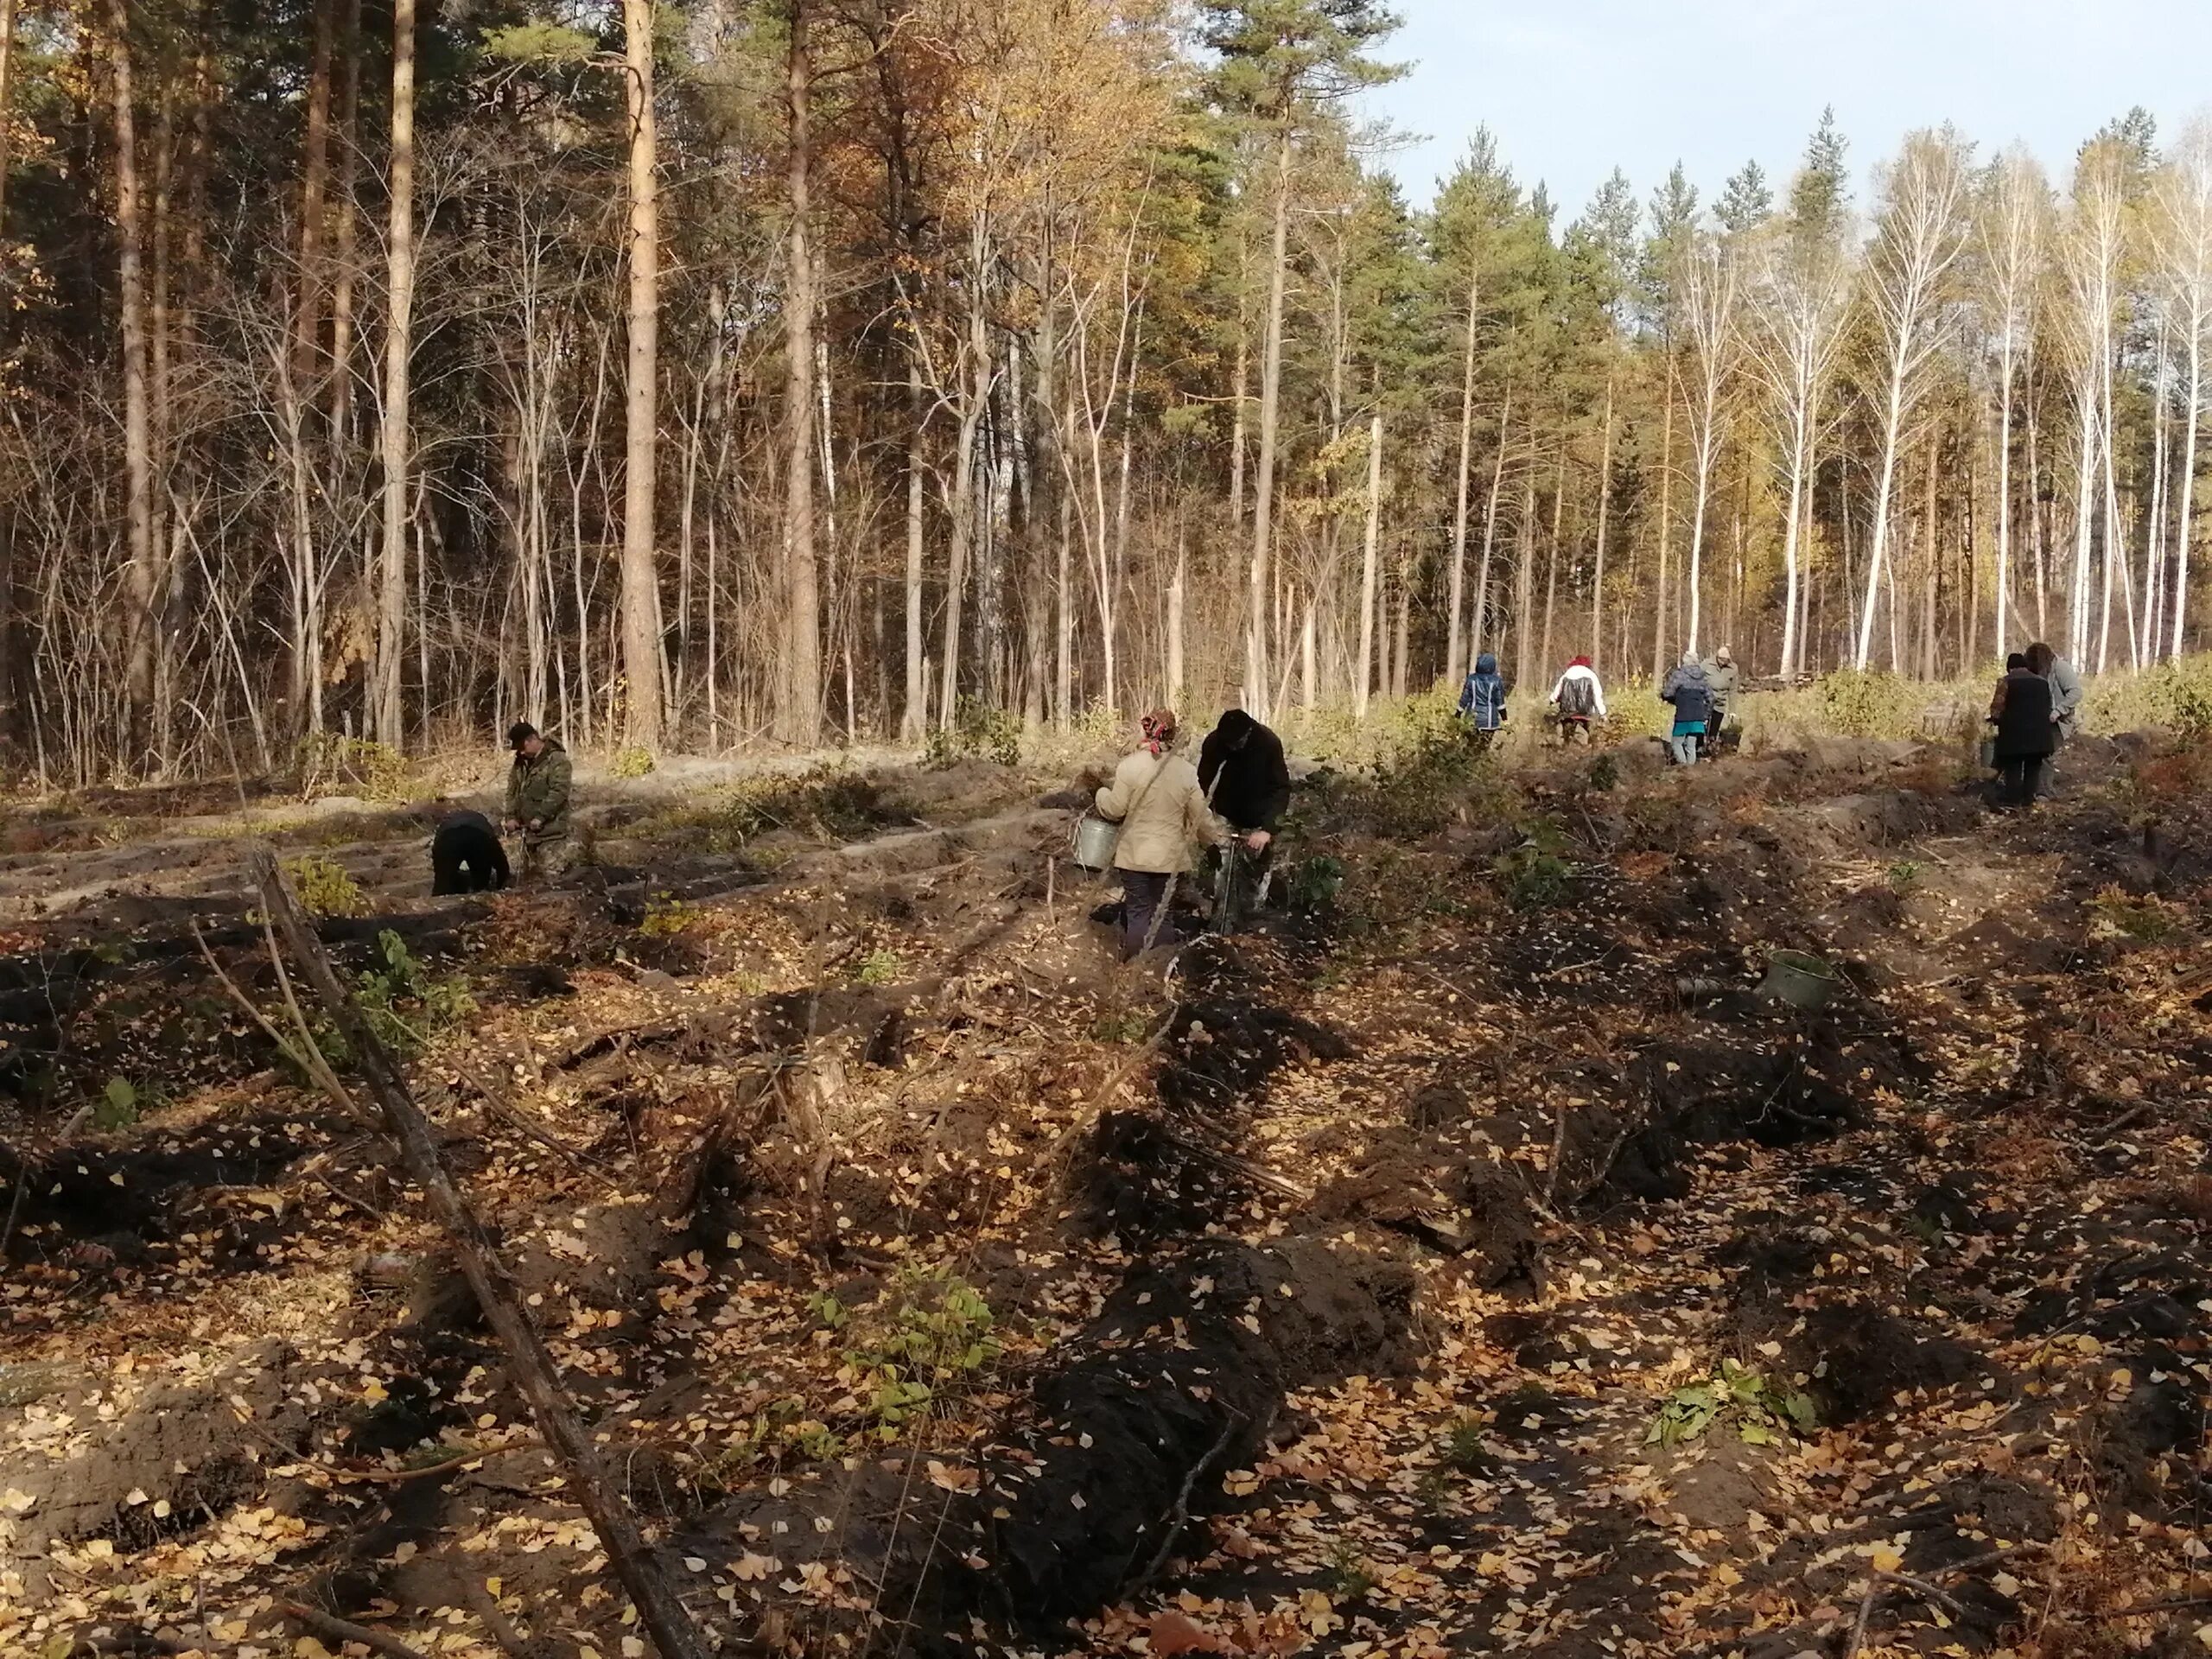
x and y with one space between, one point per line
1482 699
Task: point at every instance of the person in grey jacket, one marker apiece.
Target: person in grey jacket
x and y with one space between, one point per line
1721 676
2065 688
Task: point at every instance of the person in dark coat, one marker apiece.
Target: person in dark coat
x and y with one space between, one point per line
1482 699
1687 689
466 855
1247 780
2025 712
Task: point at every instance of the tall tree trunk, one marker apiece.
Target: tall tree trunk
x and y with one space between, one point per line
2188 481
391 608
6 56
314 168
2000 609
142 623
1236 427
1551 560
1605 517
1524 584
1666 519
1455 660
1367 572
641 652
1263 495
1479 621
1177 600
342 257
798 683
914 722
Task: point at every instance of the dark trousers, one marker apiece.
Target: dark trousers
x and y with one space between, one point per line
1144 897
2021 776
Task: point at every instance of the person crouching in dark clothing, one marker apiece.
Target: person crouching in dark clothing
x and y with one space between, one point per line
466 855
2027 730
1247 780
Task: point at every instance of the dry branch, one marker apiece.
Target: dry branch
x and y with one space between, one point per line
635 1563
344 1630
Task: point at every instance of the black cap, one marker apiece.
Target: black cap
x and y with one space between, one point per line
519 733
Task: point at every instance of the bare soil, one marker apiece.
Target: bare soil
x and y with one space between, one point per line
938 1286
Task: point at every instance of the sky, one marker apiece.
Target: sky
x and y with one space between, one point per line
1572 88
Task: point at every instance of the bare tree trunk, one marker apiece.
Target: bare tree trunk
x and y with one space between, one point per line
1256 643
1237 428
1367 572
915 721
391 608
142 623
1455 660
1604 517
1178 598
1524 584
1666 519
641 653
342 245
2188 482
7 55
315 185
1551 561
798 683
1480 619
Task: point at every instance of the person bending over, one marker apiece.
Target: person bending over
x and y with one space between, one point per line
466 855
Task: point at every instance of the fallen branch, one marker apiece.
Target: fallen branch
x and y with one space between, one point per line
634 1563
344 1630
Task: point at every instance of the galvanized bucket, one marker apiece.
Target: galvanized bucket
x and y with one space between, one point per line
1801 981
1095 840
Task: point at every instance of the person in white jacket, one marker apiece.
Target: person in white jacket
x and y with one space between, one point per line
1579 699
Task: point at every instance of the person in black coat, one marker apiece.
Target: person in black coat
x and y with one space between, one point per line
2025 716
1247 781
466 855
1241 768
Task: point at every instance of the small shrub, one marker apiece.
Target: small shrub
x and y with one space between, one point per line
1315 883
977 732
1605 774
324 887
879 968
1870 703
1904 876
2118 915
667 917
405 1003
1348 1575
1760 1411
1536 872
119 1106
931 1335
1132 1025
1463 1447
631 763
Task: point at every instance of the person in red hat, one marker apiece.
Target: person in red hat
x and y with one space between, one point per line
1579 699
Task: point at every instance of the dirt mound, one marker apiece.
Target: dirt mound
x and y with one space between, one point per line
1473 1207
177 1456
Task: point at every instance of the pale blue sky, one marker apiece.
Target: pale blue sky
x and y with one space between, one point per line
1574 87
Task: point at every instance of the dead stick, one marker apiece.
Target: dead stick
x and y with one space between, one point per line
345 1629
250 1009
1851 1649
635 1564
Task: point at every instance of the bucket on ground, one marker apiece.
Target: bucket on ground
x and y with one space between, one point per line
1094 839
1801 980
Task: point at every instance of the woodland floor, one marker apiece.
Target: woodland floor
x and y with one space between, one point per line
937 1285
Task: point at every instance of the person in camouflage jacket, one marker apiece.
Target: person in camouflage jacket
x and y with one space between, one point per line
538 787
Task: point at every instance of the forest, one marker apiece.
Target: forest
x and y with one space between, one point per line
700 373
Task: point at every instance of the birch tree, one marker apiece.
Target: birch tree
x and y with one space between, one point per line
399 340
1800 293
641 628
2182 231
2012 221
1709 295
1917 241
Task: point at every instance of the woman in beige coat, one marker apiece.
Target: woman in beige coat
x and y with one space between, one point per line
1156 799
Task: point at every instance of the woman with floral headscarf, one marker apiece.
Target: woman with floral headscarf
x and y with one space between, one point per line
1156 799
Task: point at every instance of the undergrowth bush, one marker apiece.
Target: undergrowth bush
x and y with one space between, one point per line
330 763
404 1002
324 887
976 732
631 763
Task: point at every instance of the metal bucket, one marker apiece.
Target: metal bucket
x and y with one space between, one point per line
1095 840
1801 981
